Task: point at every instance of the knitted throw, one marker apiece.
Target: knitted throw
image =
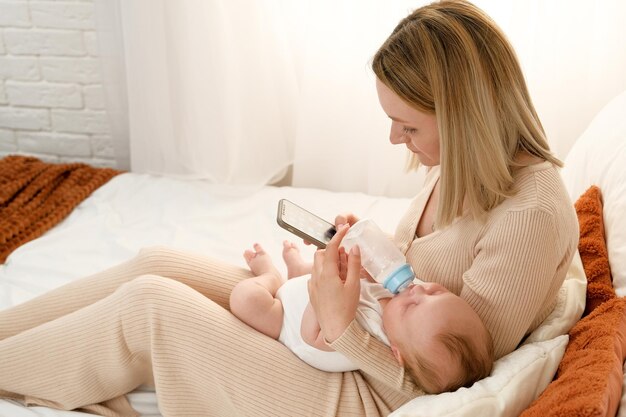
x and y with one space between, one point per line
34 196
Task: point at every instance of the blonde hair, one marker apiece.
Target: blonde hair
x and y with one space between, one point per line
471 354
449 58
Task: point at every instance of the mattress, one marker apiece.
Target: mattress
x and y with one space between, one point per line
133 211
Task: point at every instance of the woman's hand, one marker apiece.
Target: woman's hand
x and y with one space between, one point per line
333 290
349 218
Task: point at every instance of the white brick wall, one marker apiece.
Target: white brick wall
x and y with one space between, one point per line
3 94
7 141
62 15
2 50
82 70
51 94
44 94
14 13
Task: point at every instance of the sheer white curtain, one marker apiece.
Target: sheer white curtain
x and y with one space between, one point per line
237 90
573 53
211 87
342 137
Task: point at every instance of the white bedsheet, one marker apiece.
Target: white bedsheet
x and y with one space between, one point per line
133 211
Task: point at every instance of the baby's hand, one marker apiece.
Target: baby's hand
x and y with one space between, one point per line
366 275
344 218
340 219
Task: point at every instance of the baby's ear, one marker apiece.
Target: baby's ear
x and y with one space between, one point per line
397 355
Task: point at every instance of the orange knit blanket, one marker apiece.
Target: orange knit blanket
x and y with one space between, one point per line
589 379
34 196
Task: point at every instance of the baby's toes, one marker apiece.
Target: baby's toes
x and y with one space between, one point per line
289 246
259 249
249 255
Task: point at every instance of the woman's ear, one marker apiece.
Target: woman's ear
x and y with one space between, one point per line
397 355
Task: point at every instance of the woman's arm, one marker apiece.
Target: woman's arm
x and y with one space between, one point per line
519 267
311 331
334 296
374 358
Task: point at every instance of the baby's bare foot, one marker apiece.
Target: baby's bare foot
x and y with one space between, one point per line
295 264
259 261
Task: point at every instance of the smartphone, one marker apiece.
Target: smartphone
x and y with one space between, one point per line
304 224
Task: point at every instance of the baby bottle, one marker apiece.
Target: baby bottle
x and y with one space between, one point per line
379 256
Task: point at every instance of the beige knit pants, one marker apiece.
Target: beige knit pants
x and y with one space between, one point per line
86 344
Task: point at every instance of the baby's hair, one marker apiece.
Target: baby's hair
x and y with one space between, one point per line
473 357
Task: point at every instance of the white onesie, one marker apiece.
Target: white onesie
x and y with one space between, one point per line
294 295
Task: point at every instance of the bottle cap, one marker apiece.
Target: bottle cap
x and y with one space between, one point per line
399 279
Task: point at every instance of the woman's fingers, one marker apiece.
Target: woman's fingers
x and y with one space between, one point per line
332 248
343 263
353 274
318 262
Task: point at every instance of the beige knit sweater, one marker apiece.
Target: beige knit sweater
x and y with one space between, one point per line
508 268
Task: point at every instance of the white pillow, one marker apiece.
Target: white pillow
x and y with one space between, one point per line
518 378
516 381
599 158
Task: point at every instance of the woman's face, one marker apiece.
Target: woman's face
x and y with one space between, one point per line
417 130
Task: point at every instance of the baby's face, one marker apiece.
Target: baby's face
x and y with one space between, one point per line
416 315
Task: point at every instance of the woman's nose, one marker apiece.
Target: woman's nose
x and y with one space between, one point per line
396 138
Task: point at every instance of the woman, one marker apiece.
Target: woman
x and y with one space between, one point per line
493 224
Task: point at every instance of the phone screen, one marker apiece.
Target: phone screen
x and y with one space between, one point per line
304 224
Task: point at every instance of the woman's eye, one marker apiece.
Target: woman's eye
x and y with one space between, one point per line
409 130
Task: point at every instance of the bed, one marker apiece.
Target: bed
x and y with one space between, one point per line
133 210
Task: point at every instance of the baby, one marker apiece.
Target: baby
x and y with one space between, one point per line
433 333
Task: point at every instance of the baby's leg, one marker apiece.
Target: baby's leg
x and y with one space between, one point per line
253 300
296 266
